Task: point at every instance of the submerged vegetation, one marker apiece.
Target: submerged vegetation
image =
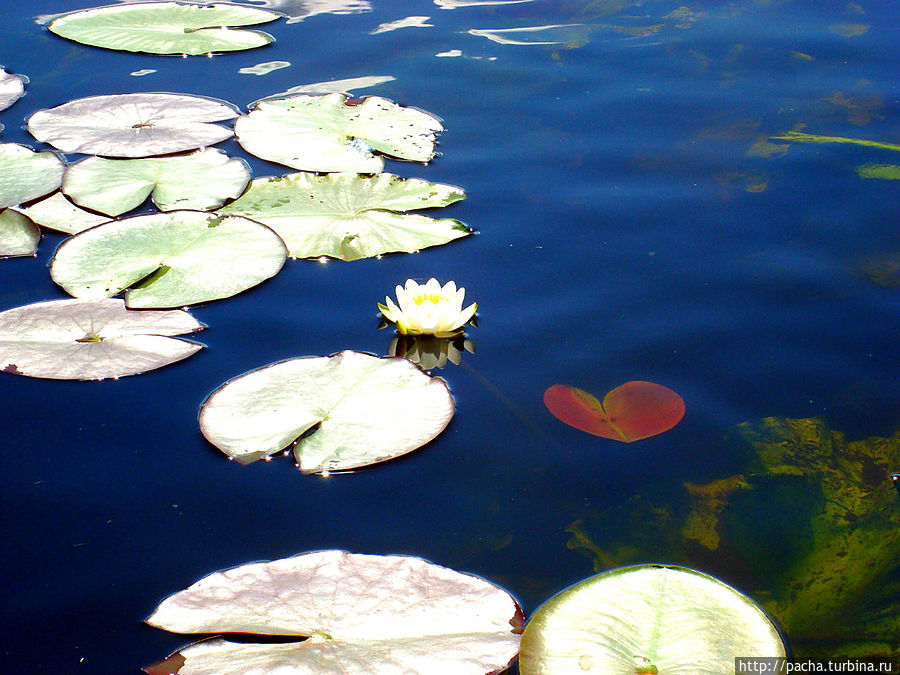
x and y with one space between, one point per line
811 526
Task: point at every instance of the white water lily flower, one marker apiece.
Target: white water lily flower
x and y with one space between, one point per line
428 309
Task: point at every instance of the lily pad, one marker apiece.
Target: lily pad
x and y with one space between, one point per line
363 409
12 87
26 174
168 259
647 619
91 339
362 614
58 213
349 216
630 412
202 180
18 235
328 133
166 27
133 125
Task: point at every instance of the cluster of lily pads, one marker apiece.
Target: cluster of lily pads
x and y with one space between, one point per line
216 233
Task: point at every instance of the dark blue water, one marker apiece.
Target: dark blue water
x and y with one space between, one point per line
633 224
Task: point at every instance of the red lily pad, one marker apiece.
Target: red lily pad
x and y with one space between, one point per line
628 413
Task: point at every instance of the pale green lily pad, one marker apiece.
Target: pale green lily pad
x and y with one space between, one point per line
202 180
166 27
647 619
364 410
58 213
362 613
133 125
18 235
324 133
168 259
349 216
91 339
26 174
12 87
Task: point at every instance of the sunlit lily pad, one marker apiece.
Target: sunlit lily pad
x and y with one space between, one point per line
202 180
644 620
348 216
18 235
91 339
362 613
166 27
133 125
168 259
364 410
12 87
26 174
58 213
630 412
326 133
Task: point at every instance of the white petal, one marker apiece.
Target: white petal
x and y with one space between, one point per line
467 313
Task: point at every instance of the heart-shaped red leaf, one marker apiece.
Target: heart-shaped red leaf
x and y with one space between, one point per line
628 413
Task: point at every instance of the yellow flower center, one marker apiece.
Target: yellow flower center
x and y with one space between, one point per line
434 299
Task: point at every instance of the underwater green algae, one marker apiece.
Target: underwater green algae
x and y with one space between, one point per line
813 518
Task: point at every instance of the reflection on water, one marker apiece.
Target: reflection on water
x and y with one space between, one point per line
429 351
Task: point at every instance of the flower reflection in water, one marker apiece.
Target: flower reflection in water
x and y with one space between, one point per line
431 352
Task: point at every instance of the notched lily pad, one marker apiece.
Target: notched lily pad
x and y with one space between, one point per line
91 339
18 235
202 180
647 619
26 174
364 410
361 613
12 87
168 259
58 213
166 27
348 216
133 125
630 412
328 133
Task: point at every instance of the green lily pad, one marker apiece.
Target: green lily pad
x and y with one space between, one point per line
647 619
26 174
327 133
362 613
92 339
166 27
364 410
168 259
349 216
133 125
58 213
18 235
202 180
12 87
